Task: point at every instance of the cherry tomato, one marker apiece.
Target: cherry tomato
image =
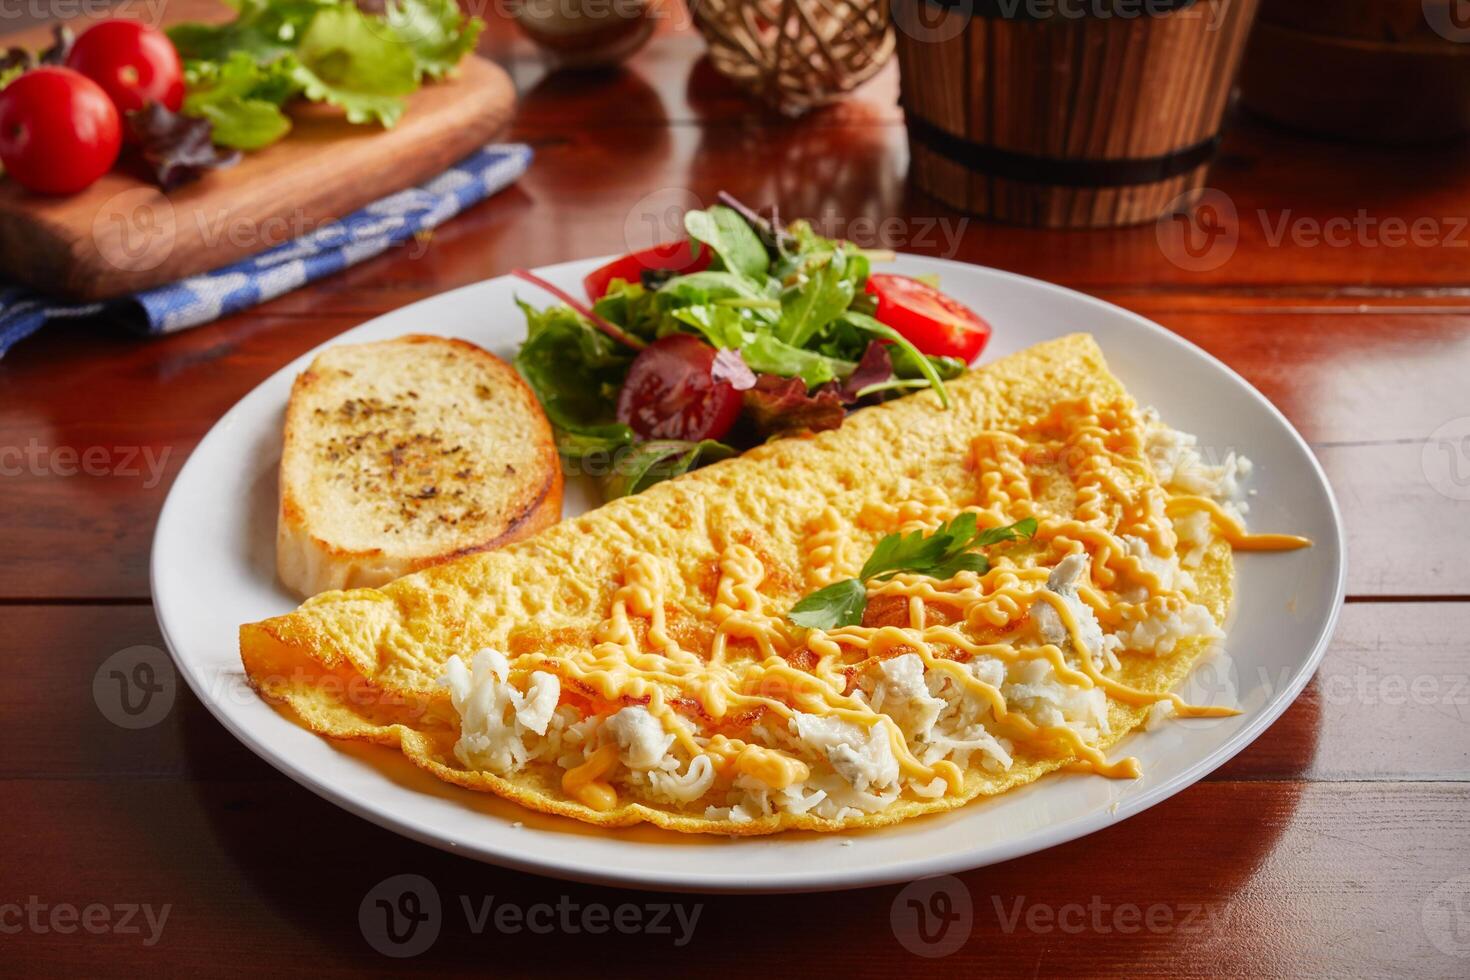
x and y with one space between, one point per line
58 131
135 64
677 257
933 322
670 392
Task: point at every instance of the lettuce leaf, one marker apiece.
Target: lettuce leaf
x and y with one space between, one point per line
354 62
436 33
242 98
576 371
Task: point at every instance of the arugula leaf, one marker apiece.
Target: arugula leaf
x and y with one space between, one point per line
907 365
941 554
839 604
711 284
868 324
767 355
722 326
436 33
811 305
728 235
351 62
647 463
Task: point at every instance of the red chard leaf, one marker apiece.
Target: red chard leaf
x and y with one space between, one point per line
875 368
779 404
177 148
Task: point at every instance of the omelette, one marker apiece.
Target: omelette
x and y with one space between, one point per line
640 662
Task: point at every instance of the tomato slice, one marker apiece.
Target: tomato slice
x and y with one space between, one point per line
677 257
936 324
671 392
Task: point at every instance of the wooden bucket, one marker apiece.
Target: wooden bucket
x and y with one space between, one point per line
1066 113
1378 71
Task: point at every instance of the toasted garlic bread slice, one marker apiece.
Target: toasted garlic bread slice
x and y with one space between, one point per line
405 453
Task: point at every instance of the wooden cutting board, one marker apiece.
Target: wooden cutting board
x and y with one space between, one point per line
123 234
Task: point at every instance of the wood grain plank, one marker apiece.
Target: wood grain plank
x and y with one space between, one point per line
1227 879
1391 701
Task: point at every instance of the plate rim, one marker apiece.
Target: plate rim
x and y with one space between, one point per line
805 880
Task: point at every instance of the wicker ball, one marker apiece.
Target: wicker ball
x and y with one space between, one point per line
795 55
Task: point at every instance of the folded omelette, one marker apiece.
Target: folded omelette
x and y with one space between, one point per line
636 663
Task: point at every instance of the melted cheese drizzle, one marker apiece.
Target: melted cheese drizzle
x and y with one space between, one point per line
1114 494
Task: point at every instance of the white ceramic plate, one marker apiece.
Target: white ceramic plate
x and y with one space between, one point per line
213 568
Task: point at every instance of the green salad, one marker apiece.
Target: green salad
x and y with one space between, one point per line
694 350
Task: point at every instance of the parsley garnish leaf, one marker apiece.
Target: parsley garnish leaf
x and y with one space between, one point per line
942 554
839 604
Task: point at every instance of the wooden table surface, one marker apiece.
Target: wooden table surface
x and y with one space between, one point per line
1338 844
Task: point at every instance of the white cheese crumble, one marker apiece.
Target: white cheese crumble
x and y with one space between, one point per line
1180 466
1035 691
1161 633
642 741
494 716
1063 581
862 756
694 782
902 694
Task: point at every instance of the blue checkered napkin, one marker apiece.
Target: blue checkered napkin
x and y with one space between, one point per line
331 248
